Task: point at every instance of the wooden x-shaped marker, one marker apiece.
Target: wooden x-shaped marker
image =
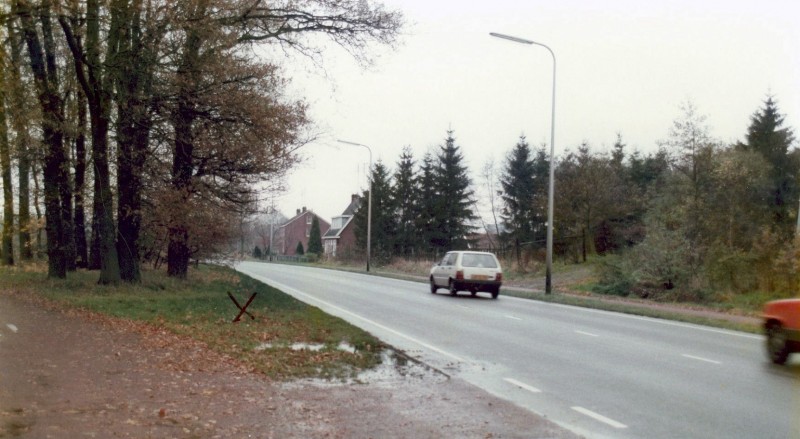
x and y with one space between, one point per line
242 309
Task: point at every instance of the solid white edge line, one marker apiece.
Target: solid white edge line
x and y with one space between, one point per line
599 417
586 333
700 359
522 385
287 288
12 327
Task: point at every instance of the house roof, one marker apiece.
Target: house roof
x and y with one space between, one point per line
349 213
322 222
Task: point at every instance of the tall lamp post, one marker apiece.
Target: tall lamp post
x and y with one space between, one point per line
548 287
369 199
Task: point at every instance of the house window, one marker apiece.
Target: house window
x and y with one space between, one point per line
308 219
308 231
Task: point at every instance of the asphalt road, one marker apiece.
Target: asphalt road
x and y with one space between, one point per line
597 373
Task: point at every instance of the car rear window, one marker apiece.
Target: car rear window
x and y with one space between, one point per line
479 261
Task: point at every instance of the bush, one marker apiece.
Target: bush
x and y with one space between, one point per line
731 270
615 277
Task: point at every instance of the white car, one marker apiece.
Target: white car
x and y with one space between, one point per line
467 271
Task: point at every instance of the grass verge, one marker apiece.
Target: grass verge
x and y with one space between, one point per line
275 343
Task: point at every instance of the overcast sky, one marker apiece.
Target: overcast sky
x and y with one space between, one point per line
622 67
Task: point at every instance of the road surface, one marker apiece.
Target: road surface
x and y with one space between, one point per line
597 373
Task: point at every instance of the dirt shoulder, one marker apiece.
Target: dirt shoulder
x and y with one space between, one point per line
76 374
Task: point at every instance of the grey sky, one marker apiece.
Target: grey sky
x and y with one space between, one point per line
623 66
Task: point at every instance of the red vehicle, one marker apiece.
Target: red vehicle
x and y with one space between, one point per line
782 327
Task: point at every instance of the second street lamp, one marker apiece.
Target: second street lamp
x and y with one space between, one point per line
548 286
369 199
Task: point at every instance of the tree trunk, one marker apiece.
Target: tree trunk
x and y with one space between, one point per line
7 247
81 250
43 65
178 251
134 88
95 79
21 129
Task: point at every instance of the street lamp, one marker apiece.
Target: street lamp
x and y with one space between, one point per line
369 199
548 286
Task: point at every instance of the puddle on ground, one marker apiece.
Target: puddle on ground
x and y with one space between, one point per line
315 347
396 369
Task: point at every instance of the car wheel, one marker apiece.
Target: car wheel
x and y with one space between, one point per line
452 288
433 286
777 347
495 293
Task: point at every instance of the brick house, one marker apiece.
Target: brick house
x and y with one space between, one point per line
297 229
340 239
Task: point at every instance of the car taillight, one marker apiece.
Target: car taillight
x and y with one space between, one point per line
460 275
499 277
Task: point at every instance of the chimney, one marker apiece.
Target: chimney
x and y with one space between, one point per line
354 198
304 209
298 212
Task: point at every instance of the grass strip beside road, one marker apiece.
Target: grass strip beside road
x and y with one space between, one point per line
287 339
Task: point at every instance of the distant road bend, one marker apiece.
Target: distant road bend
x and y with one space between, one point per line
600 374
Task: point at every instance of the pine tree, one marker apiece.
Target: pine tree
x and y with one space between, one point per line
519 190
767 136
453 214
315 238
404 198
299 251
383 217
427 231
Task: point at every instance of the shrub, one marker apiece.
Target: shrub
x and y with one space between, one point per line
614 276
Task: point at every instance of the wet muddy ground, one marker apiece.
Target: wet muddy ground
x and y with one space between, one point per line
72 374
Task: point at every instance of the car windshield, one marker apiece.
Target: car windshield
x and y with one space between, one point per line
478 260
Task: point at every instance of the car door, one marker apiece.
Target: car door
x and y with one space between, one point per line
448 268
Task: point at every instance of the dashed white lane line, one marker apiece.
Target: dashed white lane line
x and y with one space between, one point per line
512 317
586 333
522 385
599 417
700 359
12 327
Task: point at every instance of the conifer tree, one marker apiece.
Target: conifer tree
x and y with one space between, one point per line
767 136
427 231
383 218
519 190
315 238
453 214
299 251
404 198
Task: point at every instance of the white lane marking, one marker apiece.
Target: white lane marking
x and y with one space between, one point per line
287 288
646 319
586 333
522 385
511 317
463 306
599 417
12 327
700 359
